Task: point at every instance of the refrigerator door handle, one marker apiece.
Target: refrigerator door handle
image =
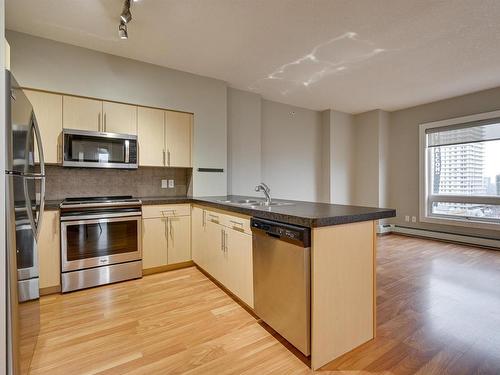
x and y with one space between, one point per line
36 222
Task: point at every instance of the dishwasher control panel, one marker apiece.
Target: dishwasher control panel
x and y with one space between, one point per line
301 235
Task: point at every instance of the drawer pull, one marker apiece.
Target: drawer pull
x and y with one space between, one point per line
236 222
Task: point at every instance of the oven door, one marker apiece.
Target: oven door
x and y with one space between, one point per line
99 242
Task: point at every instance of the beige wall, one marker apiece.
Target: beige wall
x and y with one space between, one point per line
342 157
291 151
45 64
244 117
404 153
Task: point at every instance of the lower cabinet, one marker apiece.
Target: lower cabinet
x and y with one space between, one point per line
223 249
166 237
49 252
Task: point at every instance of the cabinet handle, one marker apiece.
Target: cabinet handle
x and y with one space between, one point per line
168 154
163 157
236 222
204 219
99 122
105 122
170 228
166 230
225 241
222 239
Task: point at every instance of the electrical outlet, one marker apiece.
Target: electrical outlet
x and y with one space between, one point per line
171 184
413 219
407 218
164 184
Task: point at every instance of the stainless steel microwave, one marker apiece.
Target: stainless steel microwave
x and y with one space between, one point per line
92 149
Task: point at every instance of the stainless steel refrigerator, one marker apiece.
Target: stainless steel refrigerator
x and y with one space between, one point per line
25 192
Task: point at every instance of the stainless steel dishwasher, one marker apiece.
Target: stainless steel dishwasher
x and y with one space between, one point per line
281 279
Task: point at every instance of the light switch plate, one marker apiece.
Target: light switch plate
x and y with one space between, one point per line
164 184
171 184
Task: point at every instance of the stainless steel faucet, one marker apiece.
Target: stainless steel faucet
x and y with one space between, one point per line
266 190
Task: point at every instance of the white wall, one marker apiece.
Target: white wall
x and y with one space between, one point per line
291 151
244 118
45 64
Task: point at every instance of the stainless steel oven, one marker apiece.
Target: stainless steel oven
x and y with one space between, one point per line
100 241
91 149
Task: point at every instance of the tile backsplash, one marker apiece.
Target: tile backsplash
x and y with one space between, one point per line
142 182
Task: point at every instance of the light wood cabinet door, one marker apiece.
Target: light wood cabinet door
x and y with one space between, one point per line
82 113
48 112
178 138
214 253
7 55
49 250
154 242
119 118
151 135
198 236
179 239
239 265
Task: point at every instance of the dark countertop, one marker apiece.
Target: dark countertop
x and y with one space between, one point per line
307 214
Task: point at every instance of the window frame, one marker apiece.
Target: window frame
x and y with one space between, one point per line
426 199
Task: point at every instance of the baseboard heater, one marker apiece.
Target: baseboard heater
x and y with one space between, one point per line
470 240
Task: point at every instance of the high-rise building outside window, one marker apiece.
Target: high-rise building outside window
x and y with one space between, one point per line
460 171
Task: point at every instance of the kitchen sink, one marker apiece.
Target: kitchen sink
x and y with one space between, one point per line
254 203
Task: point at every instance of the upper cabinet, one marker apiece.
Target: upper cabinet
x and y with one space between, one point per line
178 138
49 112
7 55
119 118
151 135
82 113
98 115
164 138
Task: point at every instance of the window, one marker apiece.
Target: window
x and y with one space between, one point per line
460 171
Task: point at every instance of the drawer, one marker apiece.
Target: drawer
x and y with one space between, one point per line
166 210
214 216
239 223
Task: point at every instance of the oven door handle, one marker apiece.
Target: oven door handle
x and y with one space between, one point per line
110 216
95 220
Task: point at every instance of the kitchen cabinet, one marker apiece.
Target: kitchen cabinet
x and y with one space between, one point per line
119 118
7 55
49 253
179 239
151 136
82 113
199 236
222 246
239 264
49 112
154 242
178 127
166 235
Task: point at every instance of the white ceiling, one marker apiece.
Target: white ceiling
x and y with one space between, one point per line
349 55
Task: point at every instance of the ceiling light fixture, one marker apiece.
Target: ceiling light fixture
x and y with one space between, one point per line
126 16
122 30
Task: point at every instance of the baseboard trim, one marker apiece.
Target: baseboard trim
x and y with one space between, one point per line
168 267
50 290
489 243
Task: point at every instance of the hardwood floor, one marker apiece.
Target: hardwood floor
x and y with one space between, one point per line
438 313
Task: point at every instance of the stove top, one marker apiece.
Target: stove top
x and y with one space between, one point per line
100 201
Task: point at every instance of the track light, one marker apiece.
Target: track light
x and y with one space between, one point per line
122 30
126 16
